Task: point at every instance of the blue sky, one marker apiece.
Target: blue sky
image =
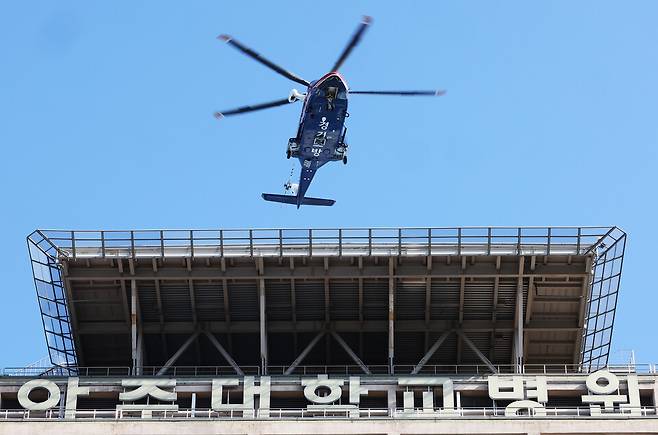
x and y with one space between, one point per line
550 119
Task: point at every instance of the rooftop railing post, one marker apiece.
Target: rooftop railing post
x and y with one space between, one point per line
429 241
459 241
251 243
103 244
73 243
162 250
578 241
132 244
310 242
280 242
221 243
518 241
489 241
369 241
192 243
548 249
340 242
400 241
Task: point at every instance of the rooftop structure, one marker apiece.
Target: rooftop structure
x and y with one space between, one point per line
284 301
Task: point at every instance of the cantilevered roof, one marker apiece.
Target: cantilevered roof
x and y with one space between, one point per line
392 299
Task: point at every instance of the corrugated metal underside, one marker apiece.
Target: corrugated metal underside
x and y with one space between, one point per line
477 295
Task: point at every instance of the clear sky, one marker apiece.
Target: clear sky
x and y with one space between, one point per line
550 119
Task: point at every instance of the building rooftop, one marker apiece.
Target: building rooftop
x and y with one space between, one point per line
375 299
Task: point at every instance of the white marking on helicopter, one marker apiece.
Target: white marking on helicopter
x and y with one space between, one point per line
320 137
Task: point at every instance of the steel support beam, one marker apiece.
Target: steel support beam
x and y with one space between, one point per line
360 290
293 309
227 313
430 352
351 353
391 313
134 347
462 295
71 309
369 271
474 348
306 326
140 350
327 313
190 284
428 301
577 352
531 299
519 320
124 300
163 338
262 330
494 314
304 353
178 353
224 353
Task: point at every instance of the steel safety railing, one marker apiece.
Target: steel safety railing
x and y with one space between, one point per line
547 369
328 241
329 413
347 369
36 372
182 371
311 370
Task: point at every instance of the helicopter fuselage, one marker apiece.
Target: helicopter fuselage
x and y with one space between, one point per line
321 134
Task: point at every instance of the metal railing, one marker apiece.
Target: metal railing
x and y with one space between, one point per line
327 241
195 371
310 370
324 413
44 372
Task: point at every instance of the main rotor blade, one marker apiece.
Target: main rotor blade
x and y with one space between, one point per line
353 42
247 109
406 93
251 53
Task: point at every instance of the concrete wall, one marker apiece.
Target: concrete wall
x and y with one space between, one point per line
389 427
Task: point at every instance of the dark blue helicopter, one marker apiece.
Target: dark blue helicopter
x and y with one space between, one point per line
321 133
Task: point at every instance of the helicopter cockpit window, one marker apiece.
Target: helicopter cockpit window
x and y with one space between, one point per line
331 92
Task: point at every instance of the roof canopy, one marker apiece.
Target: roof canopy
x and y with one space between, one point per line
281 300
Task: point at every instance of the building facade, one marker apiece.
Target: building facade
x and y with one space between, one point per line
297 331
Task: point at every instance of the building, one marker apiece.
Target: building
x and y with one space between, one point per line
293 331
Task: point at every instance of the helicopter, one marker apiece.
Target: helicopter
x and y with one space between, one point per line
321 132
